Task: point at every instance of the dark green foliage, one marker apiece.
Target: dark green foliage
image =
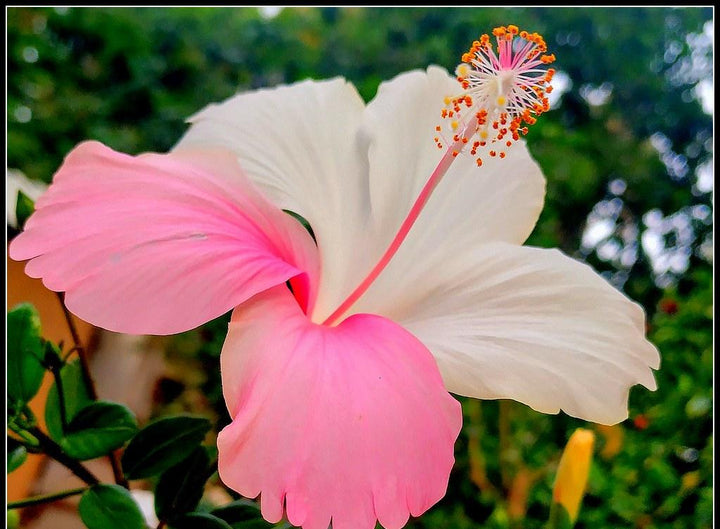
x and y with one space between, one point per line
75 396
110 507
25 353
23 209
98 429
242 514
180 487
16 454
162 444
200 520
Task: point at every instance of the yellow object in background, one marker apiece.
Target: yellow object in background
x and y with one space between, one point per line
572 474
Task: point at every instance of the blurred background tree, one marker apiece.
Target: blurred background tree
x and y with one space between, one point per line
626 149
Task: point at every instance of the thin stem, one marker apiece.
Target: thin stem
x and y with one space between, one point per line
90 384
45 498
69 354
435 178
61 397
26 440
54 450
84 364
117 471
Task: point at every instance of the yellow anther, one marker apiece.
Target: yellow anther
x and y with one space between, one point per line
501 86
462 70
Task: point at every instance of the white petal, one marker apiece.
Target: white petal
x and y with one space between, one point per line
499 201
532 325
299 144
355 176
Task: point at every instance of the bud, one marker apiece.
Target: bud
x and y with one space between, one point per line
572 475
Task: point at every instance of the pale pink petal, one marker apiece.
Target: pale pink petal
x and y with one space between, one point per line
349 423
159 244
300 145
529 324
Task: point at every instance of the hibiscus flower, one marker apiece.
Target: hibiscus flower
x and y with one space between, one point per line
344 345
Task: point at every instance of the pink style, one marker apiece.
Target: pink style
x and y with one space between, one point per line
416 285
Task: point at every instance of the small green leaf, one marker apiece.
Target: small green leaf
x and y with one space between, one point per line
242 514
110 507
13 519
52 358
25 352
16 454
181 486
24 207
163 444
559 517
200 520
76 398
302 220
98 429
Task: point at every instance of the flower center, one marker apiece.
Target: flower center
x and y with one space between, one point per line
504 90
504 87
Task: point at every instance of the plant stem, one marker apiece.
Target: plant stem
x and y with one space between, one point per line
28 442
117 471
61 397
84 364
55 451
45 498
90 384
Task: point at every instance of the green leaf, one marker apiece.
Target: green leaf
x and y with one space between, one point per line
200 520
24 207
98 429
110 507
76 395
13 519
243 514
163 444
302 220
16 454
52 356
25 351
559 517
181 486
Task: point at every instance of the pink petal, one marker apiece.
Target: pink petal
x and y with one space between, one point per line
350 423
300 145
159 244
